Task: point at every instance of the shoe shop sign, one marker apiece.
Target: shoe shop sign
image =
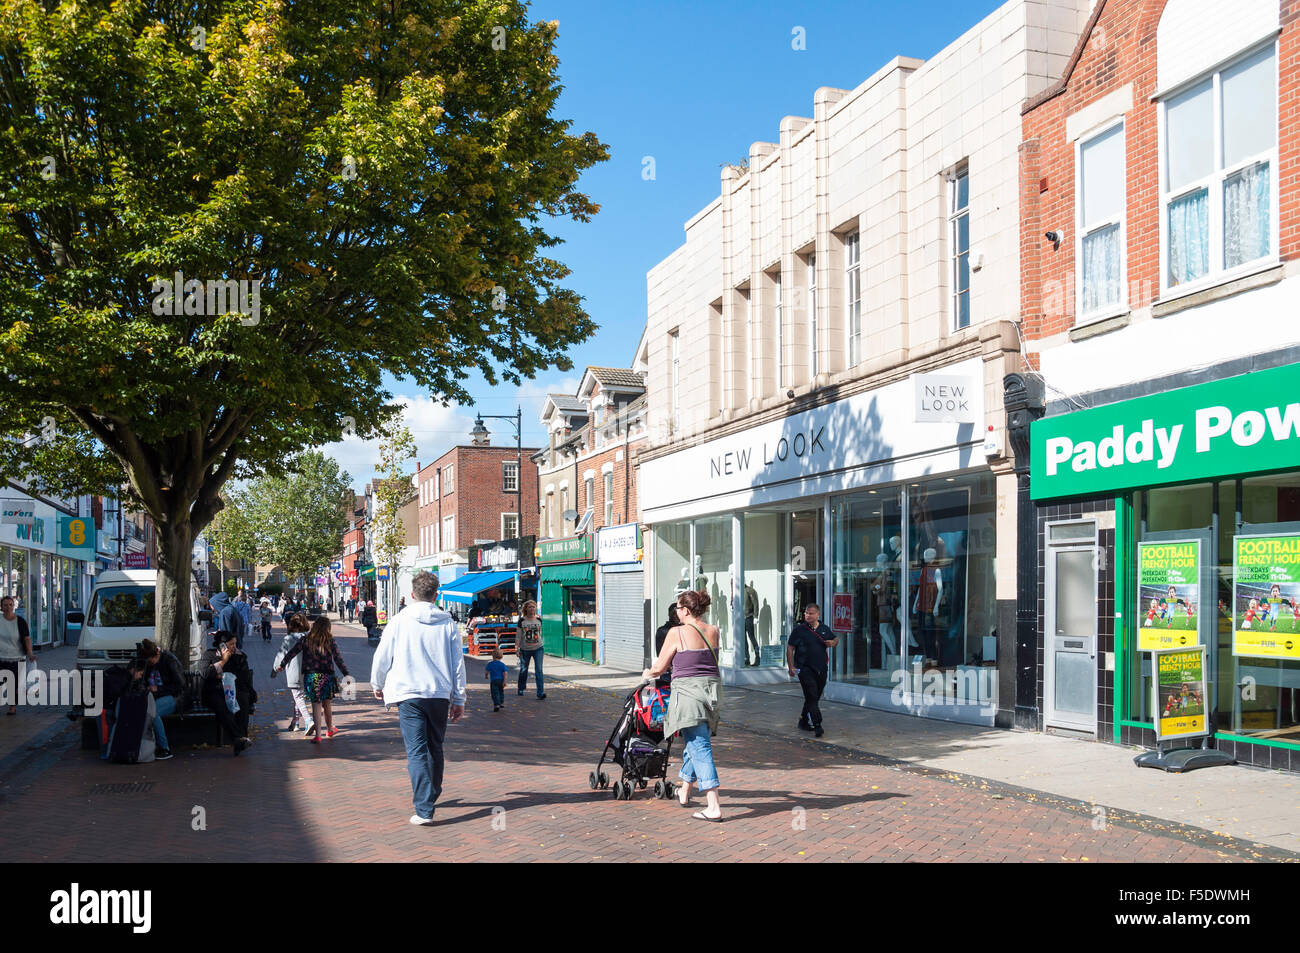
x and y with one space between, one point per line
1244 424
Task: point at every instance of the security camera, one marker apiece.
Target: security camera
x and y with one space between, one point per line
1056 236
790 393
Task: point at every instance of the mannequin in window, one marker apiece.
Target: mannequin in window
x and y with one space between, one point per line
925 607
884 594
751 620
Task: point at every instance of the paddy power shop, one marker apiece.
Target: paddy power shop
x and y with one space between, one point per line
566 570
1167 522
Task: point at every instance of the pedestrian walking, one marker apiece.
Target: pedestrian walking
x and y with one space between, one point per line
496 676
243 605
691 649
369 617
264 611
352 608
529 648
15 645
420 667
302 711
320 656
807 658
226 618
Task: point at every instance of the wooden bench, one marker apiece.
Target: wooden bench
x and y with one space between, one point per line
198 725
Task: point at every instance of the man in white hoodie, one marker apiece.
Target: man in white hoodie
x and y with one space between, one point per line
420 667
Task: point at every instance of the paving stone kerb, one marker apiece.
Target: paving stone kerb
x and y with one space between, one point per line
516 790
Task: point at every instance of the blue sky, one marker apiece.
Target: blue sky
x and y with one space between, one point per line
690 84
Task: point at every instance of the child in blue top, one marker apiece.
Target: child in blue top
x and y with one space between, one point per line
496 674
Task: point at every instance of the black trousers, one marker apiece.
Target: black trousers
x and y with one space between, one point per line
813 684
751 640
236 725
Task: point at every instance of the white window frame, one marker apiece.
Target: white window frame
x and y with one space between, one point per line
812 314
780 335
1213 183
955 215
609 497
448 532
449 478
853 296
749 344
507 466
504 533
1083 229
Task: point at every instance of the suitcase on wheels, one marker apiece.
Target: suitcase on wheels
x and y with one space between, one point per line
132 741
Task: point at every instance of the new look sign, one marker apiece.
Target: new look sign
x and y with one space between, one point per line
1238 425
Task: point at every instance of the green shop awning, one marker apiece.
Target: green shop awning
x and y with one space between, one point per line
573 574
368 573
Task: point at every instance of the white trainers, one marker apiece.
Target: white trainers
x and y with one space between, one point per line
419 821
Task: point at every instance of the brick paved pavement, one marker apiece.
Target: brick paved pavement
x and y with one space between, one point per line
516 789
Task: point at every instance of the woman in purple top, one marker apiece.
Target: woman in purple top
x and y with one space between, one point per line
692 650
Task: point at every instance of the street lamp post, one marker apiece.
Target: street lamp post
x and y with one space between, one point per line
517 420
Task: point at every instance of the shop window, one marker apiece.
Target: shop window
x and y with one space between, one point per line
672 559
713 570
867 587
767 623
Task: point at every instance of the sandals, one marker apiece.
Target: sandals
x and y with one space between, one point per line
331 732
701 816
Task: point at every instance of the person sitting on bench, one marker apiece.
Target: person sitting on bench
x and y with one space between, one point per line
164 677
224 657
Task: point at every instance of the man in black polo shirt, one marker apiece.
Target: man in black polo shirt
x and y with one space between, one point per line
807 658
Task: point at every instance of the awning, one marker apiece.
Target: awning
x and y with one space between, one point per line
464 588
572 574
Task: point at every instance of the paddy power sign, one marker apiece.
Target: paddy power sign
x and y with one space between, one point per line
1240 424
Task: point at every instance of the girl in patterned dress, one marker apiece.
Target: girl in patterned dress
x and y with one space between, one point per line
320 655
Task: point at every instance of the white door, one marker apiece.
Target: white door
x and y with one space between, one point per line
1070 640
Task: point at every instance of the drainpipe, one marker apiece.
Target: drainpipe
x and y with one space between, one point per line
1023 398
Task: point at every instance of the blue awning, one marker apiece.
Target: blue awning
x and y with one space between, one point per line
466 587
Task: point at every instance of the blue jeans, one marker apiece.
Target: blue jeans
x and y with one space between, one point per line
535 656
498 691
424 724
697 758
162 705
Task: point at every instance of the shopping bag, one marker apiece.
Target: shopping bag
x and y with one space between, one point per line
228 689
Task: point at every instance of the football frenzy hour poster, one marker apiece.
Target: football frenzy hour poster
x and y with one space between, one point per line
1266 597
1180 698
1169 591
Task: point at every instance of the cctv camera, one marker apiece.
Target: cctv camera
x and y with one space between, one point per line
790 393
1056 236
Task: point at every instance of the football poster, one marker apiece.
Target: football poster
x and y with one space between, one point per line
1169 591
1266 597
1180 693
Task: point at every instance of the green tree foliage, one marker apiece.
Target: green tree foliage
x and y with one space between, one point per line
378 174
392 492
230 533
298 519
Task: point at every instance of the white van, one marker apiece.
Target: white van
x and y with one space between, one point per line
121 614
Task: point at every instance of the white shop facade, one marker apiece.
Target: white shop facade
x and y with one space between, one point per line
879 506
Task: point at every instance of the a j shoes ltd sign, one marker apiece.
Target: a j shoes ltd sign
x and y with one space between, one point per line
1244 424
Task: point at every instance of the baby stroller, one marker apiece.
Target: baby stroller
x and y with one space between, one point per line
637 744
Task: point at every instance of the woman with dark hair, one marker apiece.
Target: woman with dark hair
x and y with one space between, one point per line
320 656
165 680
691 648
225 657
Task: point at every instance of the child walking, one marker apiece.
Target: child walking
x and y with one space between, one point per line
320 655
496 674
301 711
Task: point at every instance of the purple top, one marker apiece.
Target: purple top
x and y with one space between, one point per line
688 663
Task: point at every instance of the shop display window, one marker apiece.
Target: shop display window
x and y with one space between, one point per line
867 586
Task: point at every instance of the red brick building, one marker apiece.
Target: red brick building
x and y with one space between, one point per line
1160 254
473 493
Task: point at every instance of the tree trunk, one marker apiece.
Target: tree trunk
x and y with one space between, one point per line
175 541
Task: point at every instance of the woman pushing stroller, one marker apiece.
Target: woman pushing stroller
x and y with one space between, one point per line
691 649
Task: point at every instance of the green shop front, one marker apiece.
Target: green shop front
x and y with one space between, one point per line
1166 521
566 571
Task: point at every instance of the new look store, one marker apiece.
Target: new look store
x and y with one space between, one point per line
1171 520
880 507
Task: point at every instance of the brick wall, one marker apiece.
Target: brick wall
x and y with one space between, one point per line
624 496
476 498
1121 49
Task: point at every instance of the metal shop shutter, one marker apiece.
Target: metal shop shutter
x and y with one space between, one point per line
622 602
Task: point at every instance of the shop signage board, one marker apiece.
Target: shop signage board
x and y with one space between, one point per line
842 612
506 554
1180 693
1169 591
19 514
1203 432
618 544
382 573
77 537
571 550
944 398
1266 597
136 561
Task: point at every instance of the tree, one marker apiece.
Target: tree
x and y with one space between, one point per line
392 492
298 519
221 222
230 532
